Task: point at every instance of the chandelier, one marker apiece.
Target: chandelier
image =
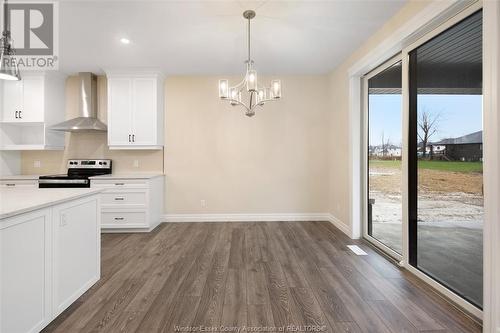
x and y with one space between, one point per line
256 94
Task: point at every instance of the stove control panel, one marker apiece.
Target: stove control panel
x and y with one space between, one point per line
89 164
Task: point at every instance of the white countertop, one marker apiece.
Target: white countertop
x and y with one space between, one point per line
18 201
20 177
128 176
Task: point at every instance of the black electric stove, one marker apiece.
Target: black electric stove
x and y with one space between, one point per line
78 174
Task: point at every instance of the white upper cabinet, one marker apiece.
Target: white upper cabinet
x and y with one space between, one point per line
135 110
28 108
119 111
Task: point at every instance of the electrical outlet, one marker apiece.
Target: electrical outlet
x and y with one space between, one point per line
136 163
37 164
203 203
63 221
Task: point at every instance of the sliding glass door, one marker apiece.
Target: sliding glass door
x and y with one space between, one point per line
383 154
446 158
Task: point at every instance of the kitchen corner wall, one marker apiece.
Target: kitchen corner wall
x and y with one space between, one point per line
90 145
218 161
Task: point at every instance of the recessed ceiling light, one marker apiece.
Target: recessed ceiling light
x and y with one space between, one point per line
125 41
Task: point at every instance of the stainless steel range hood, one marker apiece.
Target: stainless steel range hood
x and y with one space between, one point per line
87 121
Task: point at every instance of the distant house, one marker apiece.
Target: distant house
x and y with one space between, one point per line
389 151
432 149
465 148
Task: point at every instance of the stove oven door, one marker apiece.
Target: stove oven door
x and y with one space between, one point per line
63 183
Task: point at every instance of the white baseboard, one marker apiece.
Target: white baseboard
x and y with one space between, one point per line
245 217
258 218
340 225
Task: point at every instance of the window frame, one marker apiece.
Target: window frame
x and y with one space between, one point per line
408 169
364 159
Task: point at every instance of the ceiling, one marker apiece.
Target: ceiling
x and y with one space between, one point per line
209 37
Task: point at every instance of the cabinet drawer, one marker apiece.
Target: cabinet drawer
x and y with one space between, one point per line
119 183
123 220
18 183
112 198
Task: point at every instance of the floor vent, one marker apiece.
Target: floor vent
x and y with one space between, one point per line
357 250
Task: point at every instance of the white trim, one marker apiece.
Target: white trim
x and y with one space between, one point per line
340 225
246 217
491 166
364 156
273 217
355 156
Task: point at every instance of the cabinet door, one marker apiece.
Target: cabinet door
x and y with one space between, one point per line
119 111
25 252
144 111
77 240
33 92
12 100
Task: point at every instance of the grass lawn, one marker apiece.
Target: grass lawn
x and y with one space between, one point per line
434 165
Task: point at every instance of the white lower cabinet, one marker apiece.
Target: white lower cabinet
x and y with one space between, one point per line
25 287
130 204
28 183
76 260
48 258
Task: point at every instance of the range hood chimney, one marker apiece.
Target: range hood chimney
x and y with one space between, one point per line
87 108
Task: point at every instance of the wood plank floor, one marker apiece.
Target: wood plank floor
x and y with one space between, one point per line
256 275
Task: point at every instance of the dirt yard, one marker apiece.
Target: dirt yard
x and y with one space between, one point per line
388 180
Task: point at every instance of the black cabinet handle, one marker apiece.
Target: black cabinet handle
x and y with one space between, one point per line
129 138
20 117
119 218
133 137
16 115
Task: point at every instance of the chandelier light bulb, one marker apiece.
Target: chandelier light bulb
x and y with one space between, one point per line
223 89
276 84
252 81
261 95
235 96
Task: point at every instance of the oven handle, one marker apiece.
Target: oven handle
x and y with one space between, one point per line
63 181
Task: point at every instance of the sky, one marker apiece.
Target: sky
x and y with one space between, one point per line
458 115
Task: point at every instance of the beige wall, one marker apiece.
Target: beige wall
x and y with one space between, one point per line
339 105
292 157
89 145
275 162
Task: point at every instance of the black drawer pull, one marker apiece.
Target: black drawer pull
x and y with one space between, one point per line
119 198
119 218
119 184
10 184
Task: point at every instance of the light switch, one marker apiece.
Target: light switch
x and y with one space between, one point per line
63 221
